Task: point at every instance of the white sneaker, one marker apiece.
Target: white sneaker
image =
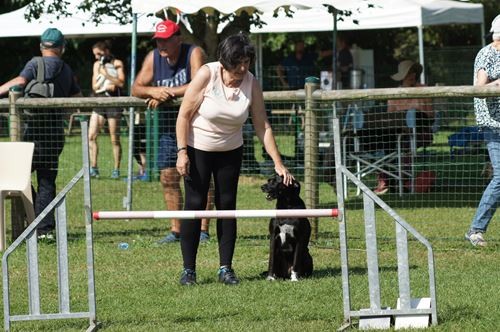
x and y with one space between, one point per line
476 239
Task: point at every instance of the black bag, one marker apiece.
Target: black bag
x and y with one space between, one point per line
44 127
39 88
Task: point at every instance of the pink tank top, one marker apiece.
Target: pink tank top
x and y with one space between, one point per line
217 126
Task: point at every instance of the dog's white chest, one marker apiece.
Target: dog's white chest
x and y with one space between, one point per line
284 230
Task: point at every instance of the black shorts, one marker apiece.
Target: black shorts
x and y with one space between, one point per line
110 113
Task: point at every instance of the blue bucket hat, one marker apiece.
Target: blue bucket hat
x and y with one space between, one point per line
52 37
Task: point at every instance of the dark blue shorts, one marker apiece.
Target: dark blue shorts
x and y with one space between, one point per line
167 151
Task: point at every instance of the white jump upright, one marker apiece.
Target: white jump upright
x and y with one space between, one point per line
409 312
29 236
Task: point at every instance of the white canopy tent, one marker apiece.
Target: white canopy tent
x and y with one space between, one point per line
384 14
79 24
225 7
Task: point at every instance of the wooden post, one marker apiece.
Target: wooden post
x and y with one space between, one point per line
14 117
17 214
311 152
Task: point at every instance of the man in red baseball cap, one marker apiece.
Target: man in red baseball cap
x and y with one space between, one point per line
164 76
166 29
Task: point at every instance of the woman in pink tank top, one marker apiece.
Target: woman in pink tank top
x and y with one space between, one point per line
210 139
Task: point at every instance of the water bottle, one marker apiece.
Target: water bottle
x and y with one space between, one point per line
123 245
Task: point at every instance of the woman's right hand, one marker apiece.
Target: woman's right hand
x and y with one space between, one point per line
182 163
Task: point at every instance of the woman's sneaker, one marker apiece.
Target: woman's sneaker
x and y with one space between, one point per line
475 238
227 276
170 238
115 174
204 236
188 277
94 172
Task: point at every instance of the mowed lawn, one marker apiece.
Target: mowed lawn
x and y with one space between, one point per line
138 289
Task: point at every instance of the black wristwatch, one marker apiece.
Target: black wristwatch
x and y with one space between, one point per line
179 149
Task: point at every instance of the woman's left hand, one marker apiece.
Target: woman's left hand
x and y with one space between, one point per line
285 173
182 164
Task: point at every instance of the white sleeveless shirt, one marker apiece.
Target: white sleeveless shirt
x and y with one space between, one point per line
217 126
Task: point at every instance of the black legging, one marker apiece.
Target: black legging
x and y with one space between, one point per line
225 168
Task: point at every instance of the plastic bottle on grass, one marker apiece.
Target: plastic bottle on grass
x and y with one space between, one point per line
123 245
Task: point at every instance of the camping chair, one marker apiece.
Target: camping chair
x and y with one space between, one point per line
371 153
15 180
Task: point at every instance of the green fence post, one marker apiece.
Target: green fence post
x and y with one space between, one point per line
148 144
156 140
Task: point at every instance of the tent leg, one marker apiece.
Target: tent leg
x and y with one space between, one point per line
421 51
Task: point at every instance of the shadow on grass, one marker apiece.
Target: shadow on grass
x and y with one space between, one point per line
330 272
146 232
459 313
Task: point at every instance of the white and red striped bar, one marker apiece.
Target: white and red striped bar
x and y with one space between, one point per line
214 214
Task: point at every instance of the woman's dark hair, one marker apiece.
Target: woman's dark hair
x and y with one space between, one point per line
103 45
234 49
417 69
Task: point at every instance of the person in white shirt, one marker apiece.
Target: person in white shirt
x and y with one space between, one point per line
210 143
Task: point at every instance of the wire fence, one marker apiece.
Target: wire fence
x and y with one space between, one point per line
416 147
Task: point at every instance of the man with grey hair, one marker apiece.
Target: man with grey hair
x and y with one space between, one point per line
45 127
487 73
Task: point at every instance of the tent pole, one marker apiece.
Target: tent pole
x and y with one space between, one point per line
133 51
421 51
258 62
334 55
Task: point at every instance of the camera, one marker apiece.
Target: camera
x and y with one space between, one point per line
105 59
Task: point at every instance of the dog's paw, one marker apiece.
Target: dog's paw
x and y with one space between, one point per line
270 278
294 276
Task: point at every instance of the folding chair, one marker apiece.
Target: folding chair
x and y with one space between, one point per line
15 180
379 157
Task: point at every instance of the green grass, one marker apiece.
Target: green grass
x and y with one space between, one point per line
137 289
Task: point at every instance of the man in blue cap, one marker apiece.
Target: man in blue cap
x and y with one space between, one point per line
45 127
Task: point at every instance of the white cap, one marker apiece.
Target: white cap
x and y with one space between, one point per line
495 25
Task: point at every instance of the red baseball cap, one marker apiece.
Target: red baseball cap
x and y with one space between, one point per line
166 29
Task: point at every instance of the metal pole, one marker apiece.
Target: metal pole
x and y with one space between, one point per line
130 162
344 257
334 55
87 198
311 151
258 62
156 142
421 51
149 148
